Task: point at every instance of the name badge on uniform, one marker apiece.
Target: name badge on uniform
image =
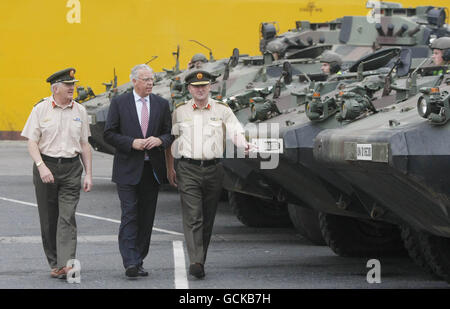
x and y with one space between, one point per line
46 120
77 119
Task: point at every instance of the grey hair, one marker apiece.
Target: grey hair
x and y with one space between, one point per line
135 70
53 86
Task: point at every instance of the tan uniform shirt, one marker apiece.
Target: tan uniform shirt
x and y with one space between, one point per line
200 131
58 131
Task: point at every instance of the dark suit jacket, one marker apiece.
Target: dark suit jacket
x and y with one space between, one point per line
122 127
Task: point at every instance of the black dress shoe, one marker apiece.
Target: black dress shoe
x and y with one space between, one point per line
197 270
132 271
142 272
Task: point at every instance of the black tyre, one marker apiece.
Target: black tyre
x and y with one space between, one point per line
306 222
411 242
256 212
437 254
360 238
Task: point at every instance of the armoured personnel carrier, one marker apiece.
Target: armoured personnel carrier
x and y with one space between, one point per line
350 219
291 182
399 160
379 170
388 24
257 197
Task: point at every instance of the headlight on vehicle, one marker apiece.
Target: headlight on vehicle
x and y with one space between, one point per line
429 102
423 107
351 109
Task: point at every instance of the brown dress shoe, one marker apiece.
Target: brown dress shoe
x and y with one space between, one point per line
62 272
54 273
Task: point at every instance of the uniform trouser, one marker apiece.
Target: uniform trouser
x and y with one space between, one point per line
138 204
200 189
57 203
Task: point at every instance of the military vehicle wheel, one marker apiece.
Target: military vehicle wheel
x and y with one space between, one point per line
360 238
306 222
256 212
415 251
437 254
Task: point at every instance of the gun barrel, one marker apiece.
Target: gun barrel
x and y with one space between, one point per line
379 29
414 31
390 31
402 30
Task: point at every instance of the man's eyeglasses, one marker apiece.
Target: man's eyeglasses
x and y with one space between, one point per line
146 80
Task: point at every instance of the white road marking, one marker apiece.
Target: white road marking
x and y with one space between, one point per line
21 240
179 265
88 216
102 178
80 239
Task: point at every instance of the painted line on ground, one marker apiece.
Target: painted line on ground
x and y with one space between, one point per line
179 266
88 216
102 178
80 239
31 175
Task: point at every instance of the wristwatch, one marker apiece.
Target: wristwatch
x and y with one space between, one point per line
39 163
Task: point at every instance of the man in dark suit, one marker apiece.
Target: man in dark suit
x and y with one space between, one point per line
138 126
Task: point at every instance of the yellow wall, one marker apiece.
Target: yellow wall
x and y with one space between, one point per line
37 39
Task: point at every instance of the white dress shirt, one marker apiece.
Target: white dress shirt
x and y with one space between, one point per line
138 102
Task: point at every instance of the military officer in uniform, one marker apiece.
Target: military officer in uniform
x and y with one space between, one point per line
198 126
57 131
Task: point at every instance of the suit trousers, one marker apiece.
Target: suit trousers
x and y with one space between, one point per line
138 204
57 203
200 189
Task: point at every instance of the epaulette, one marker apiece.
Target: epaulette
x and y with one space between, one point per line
223 103
39 102
179 104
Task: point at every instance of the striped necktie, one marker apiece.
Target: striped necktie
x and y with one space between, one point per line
144 117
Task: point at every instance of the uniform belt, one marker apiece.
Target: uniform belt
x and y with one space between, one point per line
59 160
201 162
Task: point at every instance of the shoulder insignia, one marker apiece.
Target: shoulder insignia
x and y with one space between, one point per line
223 103
42 100
179 104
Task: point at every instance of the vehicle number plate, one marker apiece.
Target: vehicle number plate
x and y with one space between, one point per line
268 145
364 152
